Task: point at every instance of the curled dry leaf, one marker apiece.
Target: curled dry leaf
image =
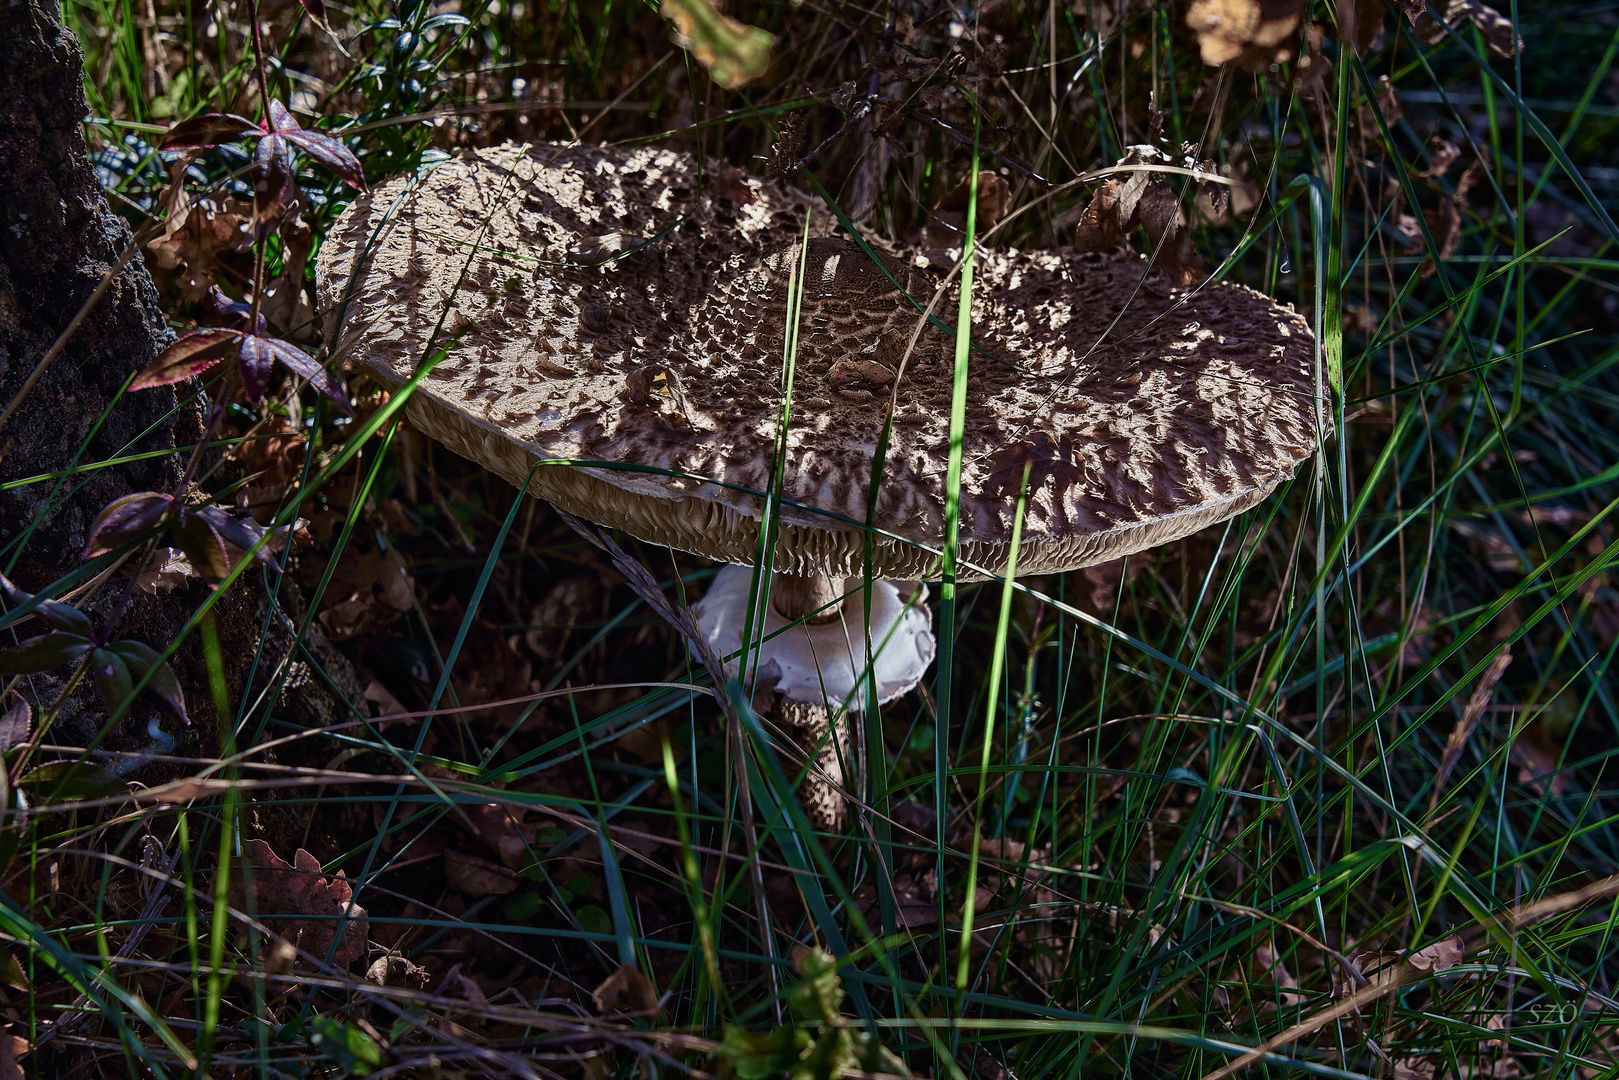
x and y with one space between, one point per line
16 722
165 571
196 236
1439 956
1497 28
300 903
1250 31
733 52
396 970
626 991
1136 197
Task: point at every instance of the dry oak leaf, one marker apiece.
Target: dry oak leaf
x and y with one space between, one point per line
302 891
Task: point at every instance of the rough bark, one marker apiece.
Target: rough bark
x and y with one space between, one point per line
58 238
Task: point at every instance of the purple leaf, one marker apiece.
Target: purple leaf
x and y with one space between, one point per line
257 360
305 366
331 153
190 355
112 677
232 309
316 9
54 613
202 546
17 722
275 184
129 518
266 350
43 653
142 658
210 129
322 147
281 119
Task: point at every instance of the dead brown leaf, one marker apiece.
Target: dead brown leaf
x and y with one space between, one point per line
373 591
1135 198
503 828
286 301
476 876
196 233
1249 31
1496 27
167 569
396 970
301 890
16 723
12 1050
626 991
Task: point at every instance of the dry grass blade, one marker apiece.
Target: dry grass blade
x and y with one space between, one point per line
1463 730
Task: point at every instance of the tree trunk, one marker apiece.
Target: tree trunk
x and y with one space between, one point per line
58 240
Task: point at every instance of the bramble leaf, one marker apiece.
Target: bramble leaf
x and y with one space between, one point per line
232 308
129 518
202 546
112 677
43 653
259 353
190 355
325 149
209 129
142 658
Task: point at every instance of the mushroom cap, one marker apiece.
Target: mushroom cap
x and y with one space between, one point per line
626 307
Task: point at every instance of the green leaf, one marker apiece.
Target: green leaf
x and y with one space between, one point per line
43 653
141 658
62 780
352 1049
112 677
733 52
755 1057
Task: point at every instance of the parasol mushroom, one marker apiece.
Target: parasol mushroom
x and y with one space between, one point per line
626 308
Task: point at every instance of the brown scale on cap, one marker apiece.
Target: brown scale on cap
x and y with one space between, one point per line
614 308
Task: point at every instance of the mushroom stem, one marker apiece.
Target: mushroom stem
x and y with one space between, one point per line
815 598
